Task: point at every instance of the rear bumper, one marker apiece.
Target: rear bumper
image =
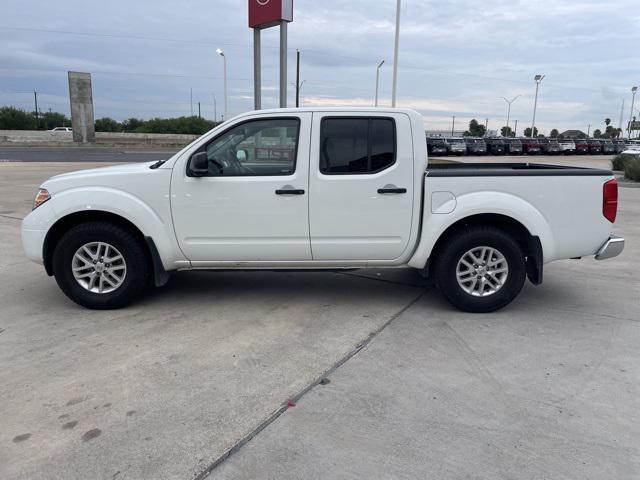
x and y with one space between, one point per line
611 248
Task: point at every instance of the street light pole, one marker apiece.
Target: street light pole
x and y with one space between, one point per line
378 81
297 78
633 99
515 129
395 56
453 124
509 102
537 79
226 94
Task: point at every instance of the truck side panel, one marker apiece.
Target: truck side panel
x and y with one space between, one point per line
565 212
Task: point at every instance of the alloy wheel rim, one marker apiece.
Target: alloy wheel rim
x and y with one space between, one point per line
99 267
482 271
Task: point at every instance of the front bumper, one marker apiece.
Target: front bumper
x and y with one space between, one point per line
611 248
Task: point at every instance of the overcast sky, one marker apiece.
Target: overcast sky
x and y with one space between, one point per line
456 57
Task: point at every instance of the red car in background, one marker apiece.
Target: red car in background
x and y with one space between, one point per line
582 146
595 146
530 146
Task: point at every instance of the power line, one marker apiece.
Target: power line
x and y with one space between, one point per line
114 72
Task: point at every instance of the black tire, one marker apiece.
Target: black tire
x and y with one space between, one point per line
132 249
450 253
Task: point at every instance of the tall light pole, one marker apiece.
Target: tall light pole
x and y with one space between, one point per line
633 99
515 129
537 79
395 56
453 124
509 102
378 80
220 52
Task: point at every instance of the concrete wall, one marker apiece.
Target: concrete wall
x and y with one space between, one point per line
104 139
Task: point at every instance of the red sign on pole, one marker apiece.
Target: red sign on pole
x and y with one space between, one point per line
267 13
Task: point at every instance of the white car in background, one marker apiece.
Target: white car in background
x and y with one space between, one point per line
61 130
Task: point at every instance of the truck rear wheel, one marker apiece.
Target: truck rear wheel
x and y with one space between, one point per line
100 265
480 269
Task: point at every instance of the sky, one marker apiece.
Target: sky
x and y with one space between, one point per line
456 57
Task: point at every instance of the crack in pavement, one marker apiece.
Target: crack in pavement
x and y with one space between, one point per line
317 381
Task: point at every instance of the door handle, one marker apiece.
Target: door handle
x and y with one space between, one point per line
392 190
290 191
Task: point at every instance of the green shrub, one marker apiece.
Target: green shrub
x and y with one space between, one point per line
15 119
619 161
632 168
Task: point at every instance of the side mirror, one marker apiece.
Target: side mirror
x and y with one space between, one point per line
199 165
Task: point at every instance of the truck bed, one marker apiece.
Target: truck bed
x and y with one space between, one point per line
509 170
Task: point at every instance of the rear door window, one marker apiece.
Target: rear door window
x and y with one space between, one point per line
357 145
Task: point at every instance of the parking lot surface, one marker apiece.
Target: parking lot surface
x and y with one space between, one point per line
546 388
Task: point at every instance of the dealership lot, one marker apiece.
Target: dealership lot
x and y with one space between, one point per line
545 388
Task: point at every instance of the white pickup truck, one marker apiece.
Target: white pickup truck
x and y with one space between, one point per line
318 189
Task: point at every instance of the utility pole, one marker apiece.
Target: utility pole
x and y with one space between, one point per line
199 110
453 124
191 100
395 56
588 131
297 78
515 129
486 125
35 98
215 109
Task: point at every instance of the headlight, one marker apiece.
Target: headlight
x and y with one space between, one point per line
41 197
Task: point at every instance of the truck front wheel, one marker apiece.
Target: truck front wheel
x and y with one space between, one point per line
100 265
480 269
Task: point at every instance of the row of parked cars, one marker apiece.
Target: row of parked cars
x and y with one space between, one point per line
529 146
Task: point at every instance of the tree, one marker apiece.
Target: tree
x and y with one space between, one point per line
554 133
132 124
607 121
597 133
612 132
188 125
12 118
52 120
107 124
527 131
507 132
475 129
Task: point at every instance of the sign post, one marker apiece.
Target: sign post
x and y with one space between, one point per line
266 14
